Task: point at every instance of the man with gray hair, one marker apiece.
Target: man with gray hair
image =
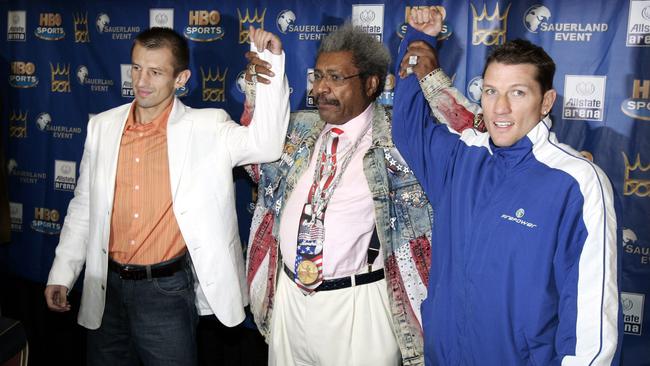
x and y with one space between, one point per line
338 256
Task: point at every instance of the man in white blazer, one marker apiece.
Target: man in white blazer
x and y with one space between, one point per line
138 304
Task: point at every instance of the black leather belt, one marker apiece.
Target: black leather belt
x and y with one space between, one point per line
140 272
344 282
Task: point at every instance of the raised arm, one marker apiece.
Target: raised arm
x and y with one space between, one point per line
427 146
262 140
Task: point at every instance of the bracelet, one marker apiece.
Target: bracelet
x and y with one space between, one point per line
433 82
249 90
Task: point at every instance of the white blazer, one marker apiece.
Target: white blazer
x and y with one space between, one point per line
203 147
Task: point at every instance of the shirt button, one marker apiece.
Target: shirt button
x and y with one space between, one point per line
140 134
103 288
132 242
137 187
137 160
136 215
103 250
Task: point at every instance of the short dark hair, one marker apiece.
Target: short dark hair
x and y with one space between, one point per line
157 37
521 51
368 54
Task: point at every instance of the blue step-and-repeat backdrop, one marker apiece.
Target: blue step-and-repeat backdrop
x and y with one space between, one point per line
63 61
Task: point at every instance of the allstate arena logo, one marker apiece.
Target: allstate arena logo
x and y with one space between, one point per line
537 19
633 309
16 216
23 74
163 18
638 24
126 84
287 23
475 89
16 25
369 18
65 175
584 97
46 221
119 32
638 106
50 27
203 26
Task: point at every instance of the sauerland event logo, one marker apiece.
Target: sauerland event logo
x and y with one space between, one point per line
638 24
24 176
475 89
537 20
287 23
23 74
639 105
118 32
44 124
96 84
203 26
16 25
584 97
50 27
370 19
46 221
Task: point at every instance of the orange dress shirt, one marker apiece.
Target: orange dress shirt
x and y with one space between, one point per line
143 226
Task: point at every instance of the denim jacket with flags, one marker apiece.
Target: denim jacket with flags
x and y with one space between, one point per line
403 217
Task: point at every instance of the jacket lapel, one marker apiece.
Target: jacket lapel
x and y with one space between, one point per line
179 133
112 137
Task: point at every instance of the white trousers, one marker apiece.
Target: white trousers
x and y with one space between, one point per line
350 326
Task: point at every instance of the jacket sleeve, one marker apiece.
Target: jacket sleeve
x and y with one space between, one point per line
586 272
427 146
262 140
70 254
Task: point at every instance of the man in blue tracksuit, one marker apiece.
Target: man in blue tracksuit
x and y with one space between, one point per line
523 266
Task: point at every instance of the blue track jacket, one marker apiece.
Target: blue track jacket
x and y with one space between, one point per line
524 254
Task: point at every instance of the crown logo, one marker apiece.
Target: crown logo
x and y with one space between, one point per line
60 78
18 124
214 86
489 29
81 34
256 21
631 186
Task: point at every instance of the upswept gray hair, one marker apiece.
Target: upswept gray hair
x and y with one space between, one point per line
369 55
